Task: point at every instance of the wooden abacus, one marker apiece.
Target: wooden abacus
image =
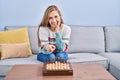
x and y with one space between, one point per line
57 68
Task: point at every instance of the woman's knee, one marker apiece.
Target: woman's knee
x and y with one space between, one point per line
62 55
52 57
42 57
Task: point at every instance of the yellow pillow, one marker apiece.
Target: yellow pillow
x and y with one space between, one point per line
14 50
16 36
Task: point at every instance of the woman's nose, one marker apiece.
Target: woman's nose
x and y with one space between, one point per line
54 20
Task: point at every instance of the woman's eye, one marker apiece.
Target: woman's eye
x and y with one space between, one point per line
56 16
50 17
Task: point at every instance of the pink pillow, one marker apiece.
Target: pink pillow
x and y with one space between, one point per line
14 50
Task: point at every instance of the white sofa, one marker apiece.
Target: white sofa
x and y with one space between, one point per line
88 44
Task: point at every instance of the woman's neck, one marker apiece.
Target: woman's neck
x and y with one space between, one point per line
52 29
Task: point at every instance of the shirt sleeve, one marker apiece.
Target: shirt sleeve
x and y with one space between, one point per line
59 42
66 34
62 41
43 35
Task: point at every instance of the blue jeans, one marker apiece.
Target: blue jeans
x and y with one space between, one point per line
52 57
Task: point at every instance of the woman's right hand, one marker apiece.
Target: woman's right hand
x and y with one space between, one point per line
50 47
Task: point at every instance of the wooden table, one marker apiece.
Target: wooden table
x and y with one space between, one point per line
80 72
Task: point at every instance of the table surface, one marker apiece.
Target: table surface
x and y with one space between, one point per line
80 72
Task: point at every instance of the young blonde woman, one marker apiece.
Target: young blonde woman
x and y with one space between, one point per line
53 36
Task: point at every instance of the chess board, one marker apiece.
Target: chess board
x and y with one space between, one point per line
57 68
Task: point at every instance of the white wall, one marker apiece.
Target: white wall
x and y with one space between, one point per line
75 12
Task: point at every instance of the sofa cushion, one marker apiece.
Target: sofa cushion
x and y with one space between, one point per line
6 64
32 31
14 50
114 63
88 58
86 39
15 36
112 38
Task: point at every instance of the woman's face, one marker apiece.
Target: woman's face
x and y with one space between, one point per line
54 19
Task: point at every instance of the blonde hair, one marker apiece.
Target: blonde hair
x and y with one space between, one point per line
45 19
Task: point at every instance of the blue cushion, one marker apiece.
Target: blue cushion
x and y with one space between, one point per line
2 28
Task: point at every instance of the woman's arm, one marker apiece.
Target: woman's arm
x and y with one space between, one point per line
59 43
62 42
45 47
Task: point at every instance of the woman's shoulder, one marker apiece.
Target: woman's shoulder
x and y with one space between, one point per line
66 27
43 28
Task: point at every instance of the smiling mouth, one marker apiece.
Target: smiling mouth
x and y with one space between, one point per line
55 25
